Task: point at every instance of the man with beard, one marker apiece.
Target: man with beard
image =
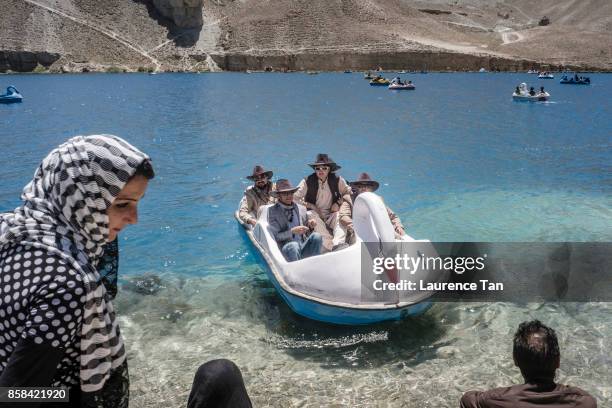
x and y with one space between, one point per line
257 195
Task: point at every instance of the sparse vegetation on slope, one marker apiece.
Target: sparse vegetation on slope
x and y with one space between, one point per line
147 35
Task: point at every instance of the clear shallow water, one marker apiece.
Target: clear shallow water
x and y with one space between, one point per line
457 159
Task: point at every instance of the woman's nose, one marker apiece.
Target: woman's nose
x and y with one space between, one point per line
132 216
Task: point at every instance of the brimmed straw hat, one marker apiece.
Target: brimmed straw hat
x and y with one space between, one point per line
324 160
259 170
283 186
365 180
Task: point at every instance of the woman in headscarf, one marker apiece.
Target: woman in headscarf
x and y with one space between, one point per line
58 271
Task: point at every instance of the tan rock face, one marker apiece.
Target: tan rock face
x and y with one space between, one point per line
114 35
184 13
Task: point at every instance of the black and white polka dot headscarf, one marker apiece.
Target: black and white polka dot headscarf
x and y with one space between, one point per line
64 212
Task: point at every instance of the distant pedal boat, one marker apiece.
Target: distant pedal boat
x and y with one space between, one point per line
538 97
524 95
12 95
573 81
402 87
380 82
546 75
328 287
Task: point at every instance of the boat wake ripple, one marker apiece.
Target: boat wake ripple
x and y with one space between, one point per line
327 343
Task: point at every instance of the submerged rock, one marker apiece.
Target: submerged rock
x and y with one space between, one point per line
173 311
147 284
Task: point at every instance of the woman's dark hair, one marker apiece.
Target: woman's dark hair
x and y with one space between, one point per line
145 169
536 350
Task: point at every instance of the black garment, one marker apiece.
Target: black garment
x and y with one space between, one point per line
42 301
529 395
108 267
218 384
35 365
312 182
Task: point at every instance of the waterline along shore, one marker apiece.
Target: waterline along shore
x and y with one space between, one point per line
433 61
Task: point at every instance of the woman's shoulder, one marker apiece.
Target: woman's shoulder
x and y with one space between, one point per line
36 268
44 294
26 254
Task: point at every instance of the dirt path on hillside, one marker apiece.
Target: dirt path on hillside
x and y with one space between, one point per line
108 33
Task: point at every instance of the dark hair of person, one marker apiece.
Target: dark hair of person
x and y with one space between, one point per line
145 169
536 351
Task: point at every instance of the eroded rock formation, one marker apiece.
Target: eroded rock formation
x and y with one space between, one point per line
26 61
198 35
184 13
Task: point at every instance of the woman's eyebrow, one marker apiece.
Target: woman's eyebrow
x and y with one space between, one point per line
130 198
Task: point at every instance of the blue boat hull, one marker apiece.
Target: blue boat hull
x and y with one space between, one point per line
337 315
10 100
334 314
574 83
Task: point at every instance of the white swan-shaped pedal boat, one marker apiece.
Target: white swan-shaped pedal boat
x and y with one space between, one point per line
523 95
330 287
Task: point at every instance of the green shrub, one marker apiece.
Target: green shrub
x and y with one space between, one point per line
39 68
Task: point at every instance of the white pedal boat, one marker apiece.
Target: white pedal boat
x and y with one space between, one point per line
523 95
546 75
399 87
538 97
329 287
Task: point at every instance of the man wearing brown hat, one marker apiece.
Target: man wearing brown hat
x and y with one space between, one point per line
323 192
364 184
257 195
290 225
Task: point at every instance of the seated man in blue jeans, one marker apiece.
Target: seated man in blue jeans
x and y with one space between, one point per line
290 225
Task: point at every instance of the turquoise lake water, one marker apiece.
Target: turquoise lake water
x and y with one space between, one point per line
457 160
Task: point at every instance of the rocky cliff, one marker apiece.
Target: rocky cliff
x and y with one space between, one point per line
184 13
198 35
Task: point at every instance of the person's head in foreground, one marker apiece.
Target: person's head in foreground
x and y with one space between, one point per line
536 353
58 256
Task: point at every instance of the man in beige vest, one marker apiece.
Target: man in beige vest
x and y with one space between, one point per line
257 195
